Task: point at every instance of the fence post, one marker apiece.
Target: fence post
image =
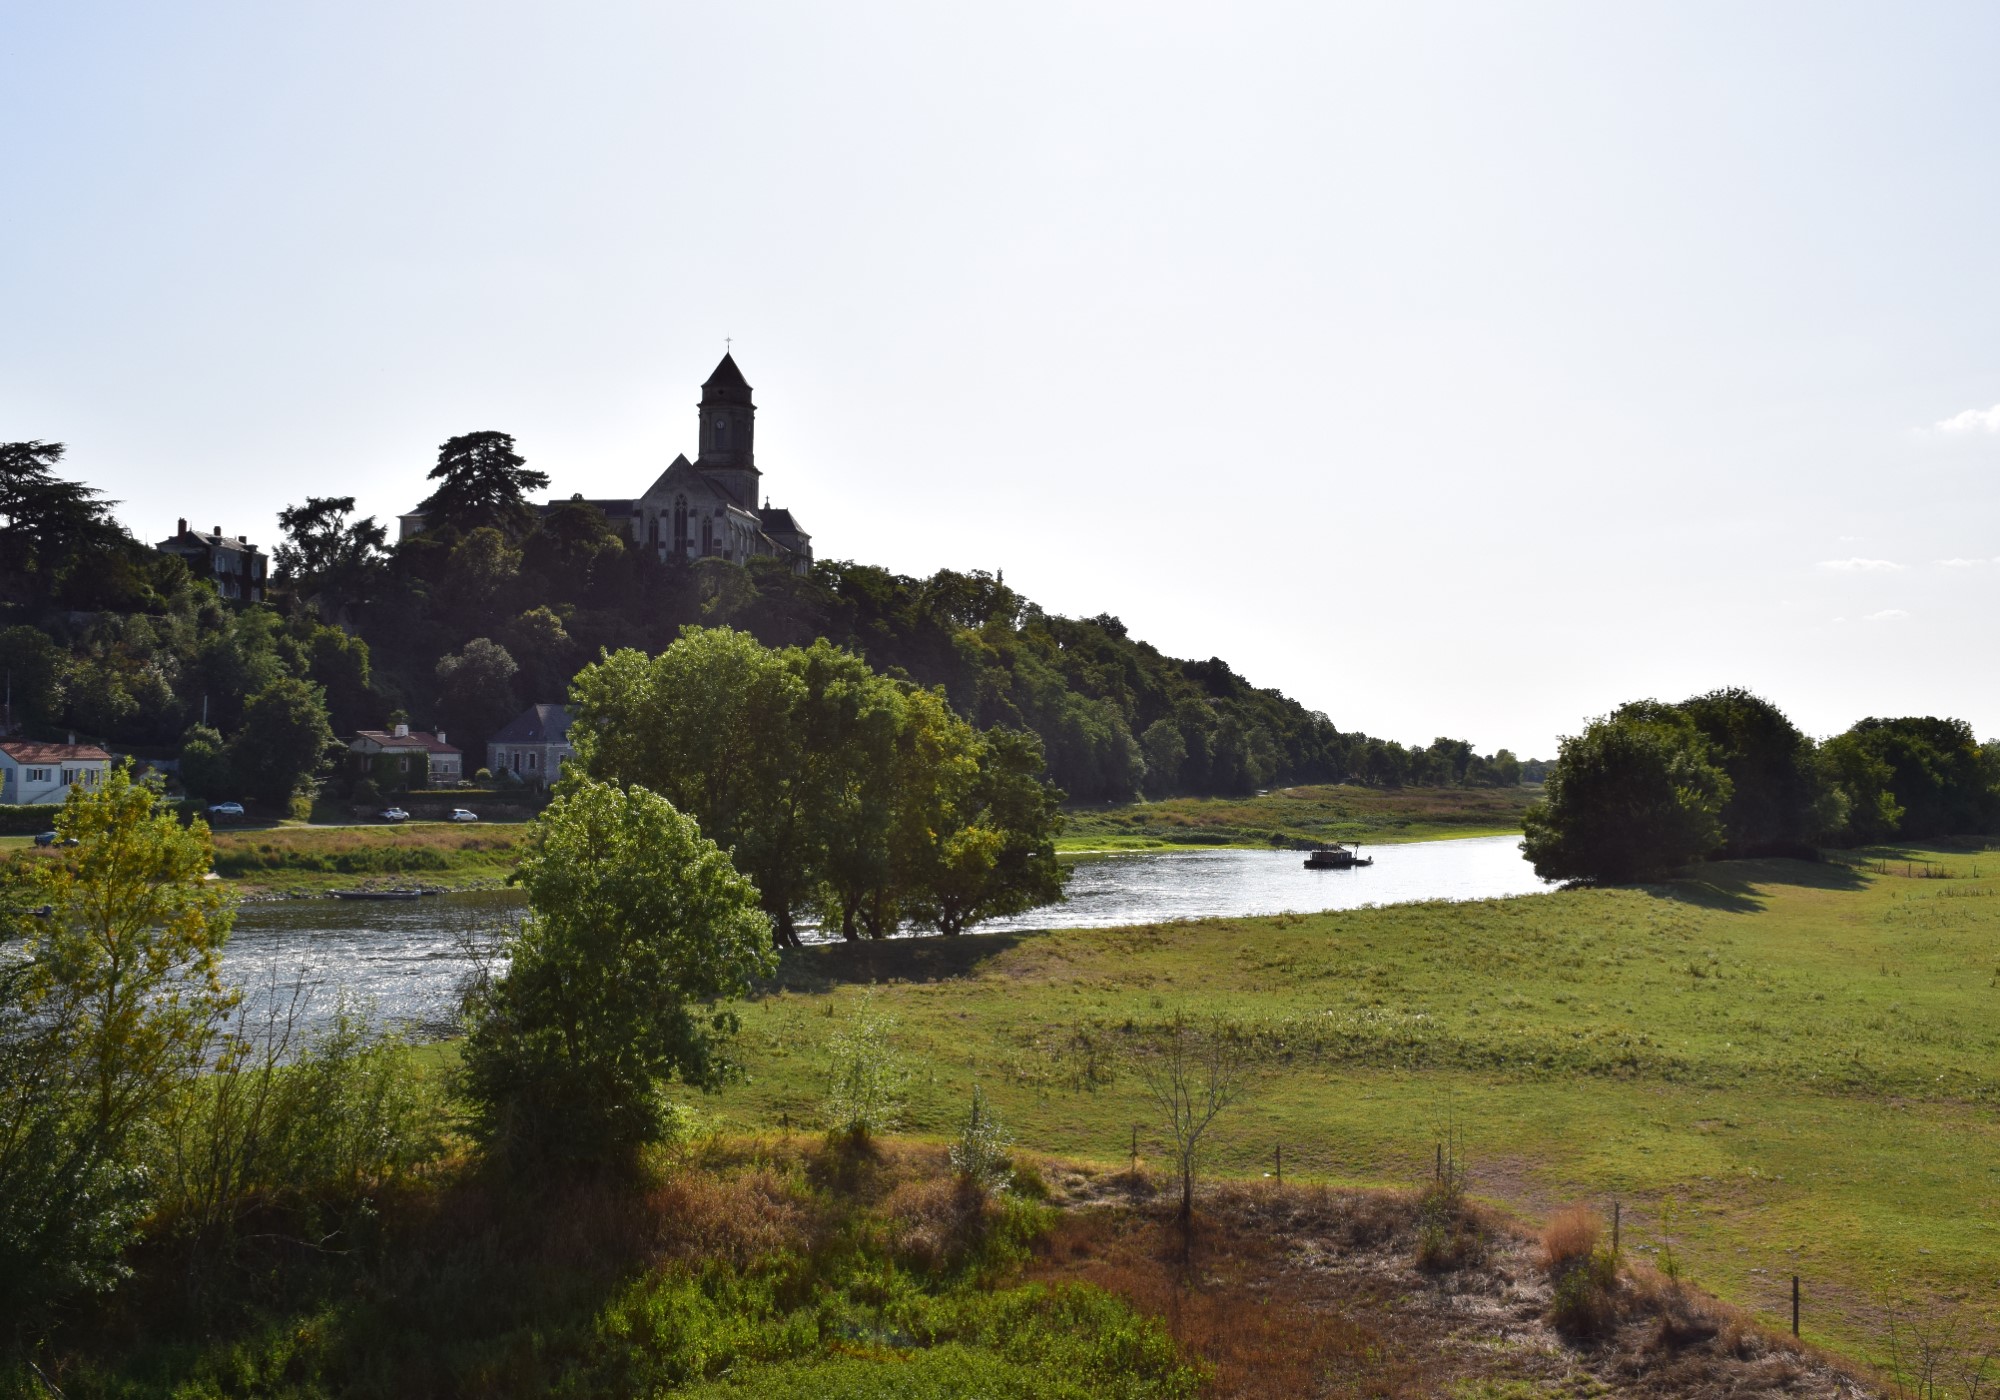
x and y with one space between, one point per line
1281 1164
1795 1305
1135 1147
1617 1213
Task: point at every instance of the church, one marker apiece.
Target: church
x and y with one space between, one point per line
708 508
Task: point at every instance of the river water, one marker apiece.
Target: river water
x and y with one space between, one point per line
408 961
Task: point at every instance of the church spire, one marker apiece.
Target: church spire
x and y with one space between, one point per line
728 432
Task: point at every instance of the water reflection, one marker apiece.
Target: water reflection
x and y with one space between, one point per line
410 960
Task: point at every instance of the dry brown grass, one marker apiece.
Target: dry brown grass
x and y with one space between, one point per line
1571 1237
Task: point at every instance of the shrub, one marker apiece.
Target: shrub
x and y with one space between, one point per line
980 1154
1584 1275
865 1074
1449 1234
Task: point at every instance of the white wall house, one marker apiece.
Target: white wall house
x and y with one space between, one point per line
534 747
44 773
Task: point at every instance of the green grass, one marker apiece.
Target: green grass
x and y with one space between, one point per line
1299 817
431 853
1777 1067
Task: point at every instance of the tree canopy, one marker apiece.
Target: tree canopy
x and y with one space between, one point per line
482 482
639 928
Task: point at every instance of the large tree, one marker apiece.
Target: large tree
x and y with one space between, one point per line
285 742
329 559
476 691
56 536
1777 800
1637 794
481 480
639 929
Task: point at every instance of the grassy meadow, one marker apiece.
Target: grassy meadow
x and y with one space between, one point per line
1777 1067
309 859
1299 817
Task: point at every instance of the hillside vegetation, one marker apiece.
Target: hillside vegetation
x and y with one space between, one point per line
1300 817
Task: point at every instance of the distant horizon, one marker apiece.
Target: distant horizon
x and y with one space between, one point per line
1453 371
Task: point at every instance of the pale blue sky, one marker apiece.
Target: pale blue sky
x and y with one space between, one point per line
1460 369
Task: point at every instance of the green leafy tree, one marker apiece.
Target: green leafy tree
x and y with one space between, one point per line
482 481
1937 777
205 768
1166 751
639 928
285 742
475 687
113 999
1635 795
328 559
53 532
1777 801
34 668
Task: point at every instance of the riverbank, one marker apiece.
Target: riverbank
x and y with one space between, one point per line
1298 818
1775 1068
284 861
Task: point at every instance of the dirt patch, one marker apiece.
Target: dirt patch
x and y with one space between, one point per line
1316 1292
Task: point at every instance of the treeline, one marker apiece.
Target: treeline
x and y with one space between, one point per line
499 603
1652 787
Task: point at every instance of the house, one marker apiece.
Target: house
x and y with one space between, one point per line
234 565
44 773
534 745
404 745
707 508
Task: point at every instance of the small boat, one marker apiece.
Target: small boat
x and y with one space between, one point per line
378 894
1336 857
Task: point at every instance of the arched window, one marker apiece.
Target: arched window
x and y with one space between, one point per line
707 538
653 532
681 526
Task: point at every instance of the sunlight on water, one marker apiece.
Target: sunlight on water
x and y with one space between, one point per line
410 960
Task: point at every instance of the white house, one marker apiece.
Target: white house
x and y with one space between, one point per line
44 773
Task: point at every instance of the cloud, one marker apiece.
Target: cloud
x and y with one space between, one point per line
1962 563
1858 566
1973 420
1886 615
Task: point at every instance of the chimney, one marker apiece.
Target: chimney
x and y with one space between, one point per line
216 531
72 738
402 731
440 736
181 526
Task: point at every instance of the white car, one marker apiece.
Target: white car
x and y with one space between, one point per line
225 809
459 814
393 814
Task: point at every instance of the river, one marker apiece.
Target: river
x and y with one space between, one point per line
409 960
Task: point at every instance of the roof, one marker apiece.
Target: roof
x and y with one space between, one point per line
415 739
207 539
726 385
27 751
778 518
538 724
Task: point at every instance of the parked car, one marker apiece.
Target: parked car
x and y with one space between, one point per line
459 814
48 838
225 809
393 814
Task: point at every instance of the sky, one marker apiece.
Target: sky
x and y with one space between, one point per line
1458 369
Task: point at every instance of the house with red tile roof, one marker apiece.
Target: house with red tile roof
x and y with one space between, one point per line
445 763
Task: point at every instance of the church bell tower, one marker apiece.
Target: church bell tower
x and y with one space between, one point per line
728 428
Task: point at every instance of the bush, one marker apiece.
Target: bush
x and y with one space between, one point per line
865 1074
980 1154
1635 795
1584 1275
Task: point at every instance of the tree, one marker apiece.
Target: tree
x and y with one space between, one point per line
285 741
1776 798
1166 750
482 481
994 854
476 691
1192 1074
205 769
328 559
34 668
639 927
51 529
1936 775
1634 795
539 642
114 998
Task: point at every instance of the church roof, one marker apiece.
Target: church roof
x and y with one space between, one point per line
727 384
777 518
